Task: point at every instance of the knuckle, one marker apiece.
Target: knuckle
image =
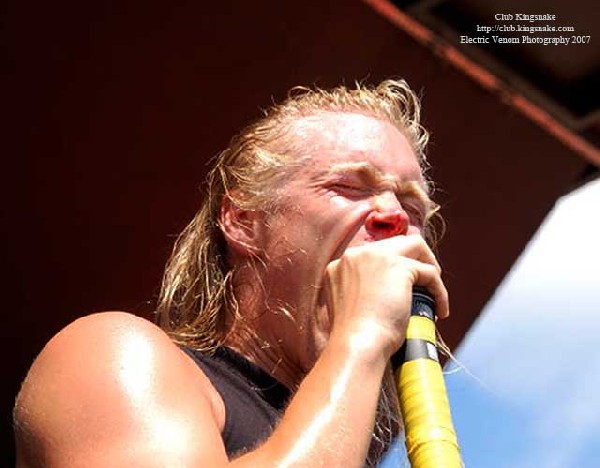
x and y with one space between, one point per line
332 267
351 254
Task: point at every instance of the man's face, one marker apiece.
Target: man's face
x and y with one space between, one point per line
362 183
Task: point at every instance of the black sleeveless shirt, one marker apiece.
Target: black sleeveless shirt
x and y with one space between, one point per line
254 400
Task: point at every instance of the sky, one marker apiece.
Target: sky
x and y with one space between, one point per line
527 391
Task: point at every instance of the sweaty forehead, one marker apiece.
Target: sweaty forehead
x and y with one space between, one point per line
359 131
333 139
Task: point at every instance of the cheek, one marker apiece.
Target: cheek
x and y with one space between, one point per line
321 223
349 214
344 205
342 218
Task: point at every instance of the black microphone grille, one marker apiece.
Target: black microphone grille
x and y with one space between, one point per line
423 304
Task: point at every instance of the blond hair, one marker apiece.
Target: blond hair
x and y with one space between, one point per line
197 290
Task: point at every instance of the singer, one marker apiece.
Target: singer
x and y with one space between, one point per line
280 308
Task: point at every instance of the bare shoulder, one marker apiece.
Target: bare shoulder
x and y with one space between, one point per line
111 388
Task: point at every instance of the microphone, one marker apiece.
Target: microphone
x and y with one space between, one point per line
430 437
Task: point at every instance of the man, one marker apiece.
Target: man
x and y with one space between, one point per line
283 302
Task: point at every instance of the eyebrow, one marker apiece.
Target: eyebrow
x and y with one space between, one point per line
361 168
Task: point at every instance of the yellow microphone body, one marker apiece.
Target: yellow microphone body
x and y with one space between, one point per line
430 437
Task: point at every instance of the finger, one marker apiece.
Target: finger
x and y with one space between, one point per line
427 276
411 246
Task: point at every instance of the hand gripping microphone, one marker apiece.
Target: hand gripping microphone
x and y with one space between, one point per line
430 437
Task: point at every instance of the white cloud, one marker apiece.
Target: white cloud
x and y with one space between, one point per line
536 343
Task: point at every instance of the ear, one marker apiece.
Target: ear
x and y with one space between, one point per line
243 229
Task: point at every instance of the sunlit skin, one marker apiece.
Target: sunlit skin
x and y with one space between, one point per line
361 183
341 251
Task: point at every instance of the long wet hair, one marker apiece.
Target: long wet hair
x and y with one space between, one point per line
197 290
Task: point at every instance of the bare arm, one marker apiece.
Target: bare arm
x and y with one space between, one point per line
330 420
113 390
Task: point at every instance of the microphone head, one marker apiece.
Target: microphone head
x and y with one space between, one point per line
423 304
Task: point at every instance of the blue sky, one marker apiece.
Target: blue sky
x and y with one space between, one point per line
531 395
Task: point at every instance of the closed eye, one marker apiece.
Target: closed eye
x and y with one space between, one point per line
351 190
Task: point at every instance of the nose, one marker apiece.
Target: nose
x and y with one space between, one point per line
387 220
